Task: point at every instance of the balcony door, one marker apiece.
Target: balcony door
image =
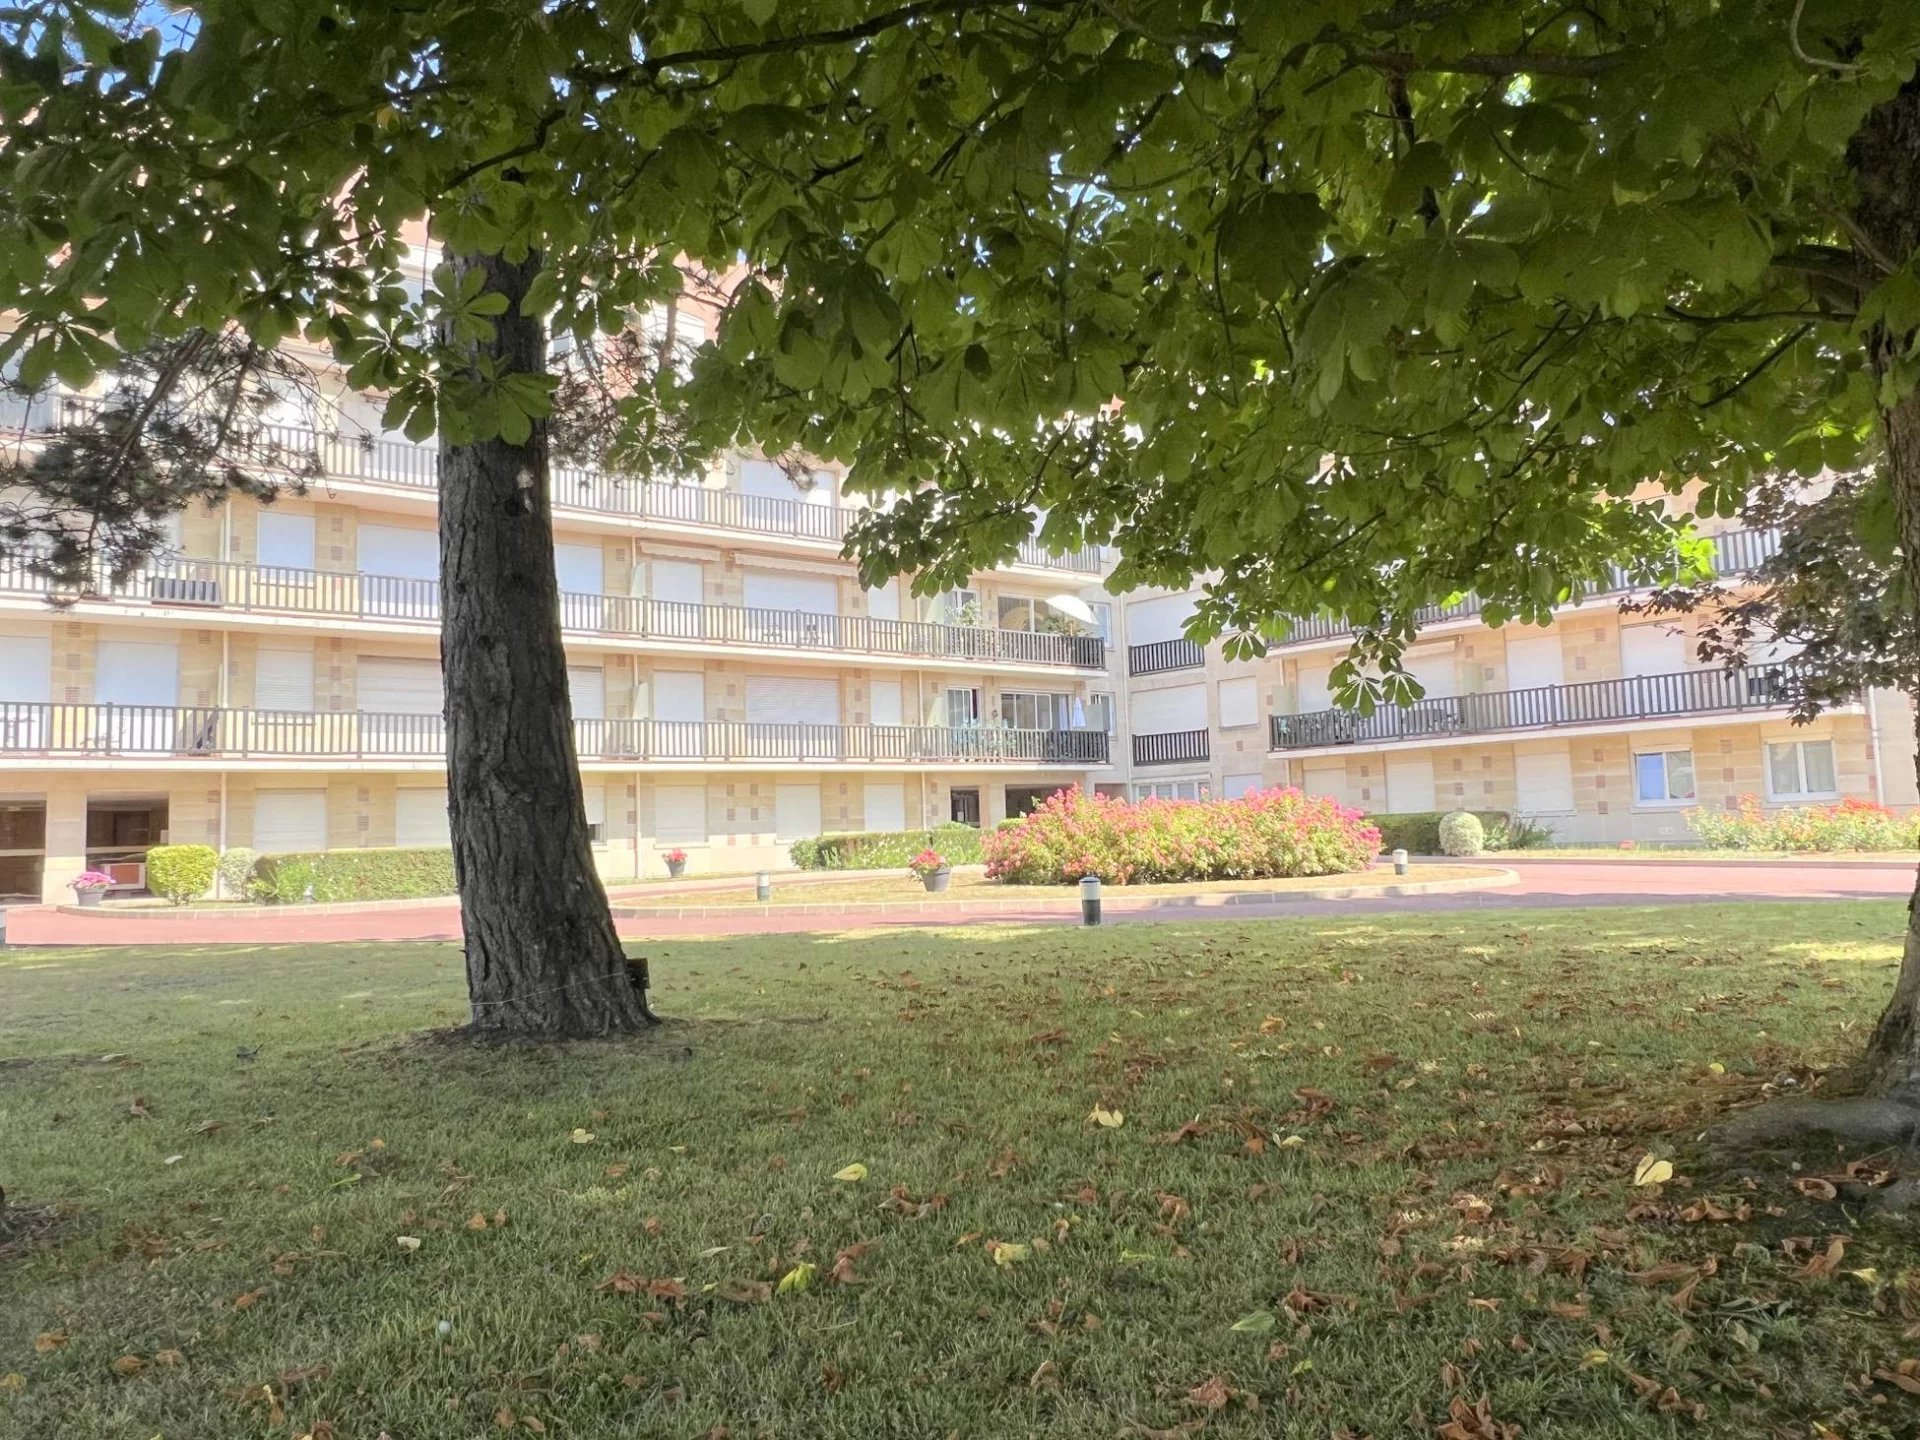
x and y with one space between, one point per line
140 679
581 571
400 572
26 685
401 706
1536 671
790 609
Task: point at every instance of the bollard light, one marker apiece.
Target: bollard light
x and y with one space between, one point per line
762 886
1399 862
1090 900
308 897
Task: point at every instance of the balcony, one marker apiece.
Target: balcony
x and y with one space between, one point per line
417 467
275 590
1175 747
216 734
1549 707
1734 553
1163 655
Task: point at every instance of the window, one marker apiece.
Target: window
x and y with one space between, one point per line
1801 770
963 706
960 607
1234 786
1663 777
1020 710
1100 712
1239 703
1171 790
1102 620
595 797
1017 612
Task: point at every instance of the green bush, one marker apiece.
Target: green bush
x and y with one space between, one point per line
181 872
354 875
236 871
887 849
1519 833
1418 831
1849 825
1462 836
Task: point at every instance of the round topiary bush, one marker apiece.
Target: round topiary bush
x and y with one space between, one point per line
181 872
1461 834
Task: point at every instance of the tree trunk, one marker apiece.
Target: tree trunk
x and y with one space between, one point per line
542 956
1885 159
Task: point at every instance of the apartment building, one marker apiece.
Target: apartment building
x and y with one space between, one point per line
273 680
1602 726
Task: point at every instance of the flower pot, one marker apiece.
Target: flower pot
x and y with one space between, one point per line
88 897
676 868
938 880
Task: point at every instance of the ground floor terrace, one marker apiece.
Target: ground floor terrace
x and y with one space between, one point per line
56 823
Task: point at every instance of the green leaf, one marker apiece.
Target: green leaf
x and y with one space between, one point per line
1257 1323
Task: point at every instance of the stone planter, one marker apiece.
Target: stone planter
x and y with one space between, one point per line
676 868
938 880
88 897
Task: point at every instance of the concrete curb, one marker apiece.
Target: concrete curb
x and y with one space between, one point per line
1068 903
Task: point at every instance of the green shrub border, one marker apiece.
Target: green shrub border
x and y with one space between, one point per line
181 872
1418 831
374 874
886 849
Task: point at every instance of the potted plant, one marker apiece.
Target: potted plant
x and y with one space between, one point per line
89 886
676 863
932 868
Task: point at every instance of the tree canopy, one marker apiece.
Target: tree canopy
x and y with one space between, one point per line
1342 305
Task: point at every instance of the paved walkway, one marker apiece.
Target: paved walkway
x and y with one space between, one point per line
1542 884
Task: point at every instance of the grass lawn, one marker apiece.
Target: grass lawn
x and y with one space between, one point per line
1698 852
1362 1172
972 885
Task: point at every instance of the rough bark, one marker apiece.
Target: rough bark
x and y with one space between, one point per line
1885 159
542 956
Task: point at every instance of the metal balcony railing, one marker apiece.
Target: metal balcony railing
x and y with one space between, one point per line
417 467
220 734
1174 747
1163 655
216 584
1734 553
1643 697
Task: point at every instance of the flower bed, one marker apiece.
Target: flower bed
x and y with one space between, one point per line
1849 825
1270 833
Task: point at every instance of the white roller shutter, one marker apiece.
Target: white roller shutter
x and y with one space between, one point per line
286 821
1409 786
678 582
420 819
137 672
680 814
1163 712
391 685
594 797
884 603
1234 786
792 700
284 540
1535 661
1436 672
587 689
1543 782
26 683
1329 778
1652 650
767 480
886 805
679 695
397 550
283 680
887 709
796 811
580 569
814 594
1151 621
26 668
1239 703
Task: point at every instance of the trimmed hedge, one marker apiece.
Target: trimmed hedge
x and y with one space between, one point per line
354 875
1462 836
181 872
1418 831
887 849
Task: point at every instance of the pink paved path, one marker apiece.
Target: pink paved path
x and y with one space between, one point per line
1542 884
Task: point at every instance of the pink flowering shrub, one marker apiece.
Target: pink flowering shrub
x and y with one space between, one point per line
1259 836
1849 825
